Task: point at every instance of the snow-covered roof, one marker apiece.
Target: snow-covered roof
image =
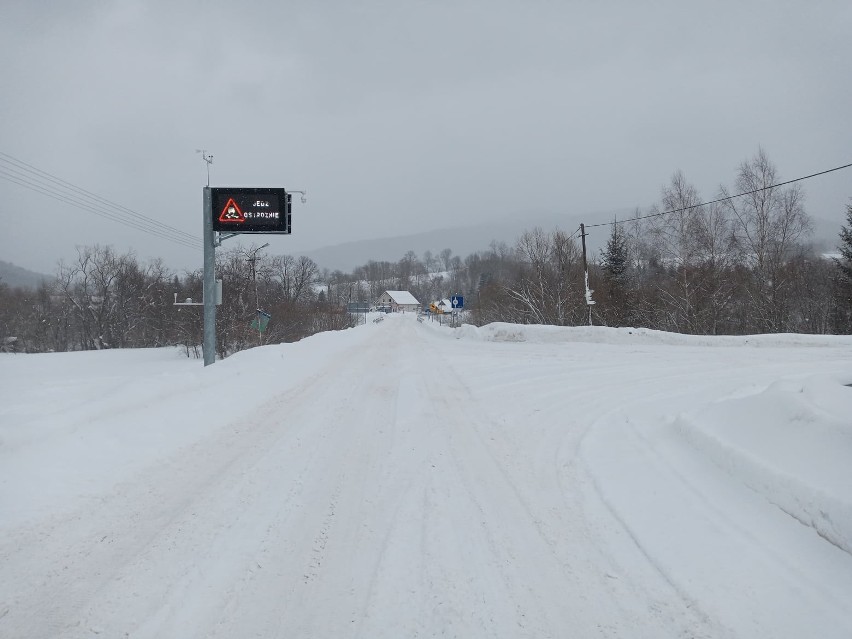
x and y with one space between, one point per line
402 297
446 304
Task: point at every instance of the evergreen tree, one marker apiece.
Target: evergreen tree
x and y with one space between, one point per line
616 264
844 276
845 248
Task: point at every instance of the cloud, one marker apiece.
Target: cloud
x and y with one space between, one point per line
403 117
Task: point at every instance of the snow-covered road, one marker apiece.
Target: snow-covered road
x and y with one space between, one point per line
406 480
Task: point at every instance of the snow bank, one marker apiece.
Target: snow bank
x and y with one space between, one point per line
792 444
72 422
503 332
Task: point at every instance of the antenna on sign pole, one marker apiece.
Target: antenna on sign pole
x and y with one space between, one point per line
208 159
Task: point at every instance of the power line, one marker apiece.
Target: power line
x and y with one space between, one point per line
92 209
35 179
63 184
721 199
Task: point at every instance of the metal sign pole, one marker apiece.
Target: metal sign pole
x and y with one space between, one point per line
239 210
209 345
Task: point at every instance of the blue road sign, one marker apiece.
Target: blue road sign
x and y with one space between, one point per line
458 302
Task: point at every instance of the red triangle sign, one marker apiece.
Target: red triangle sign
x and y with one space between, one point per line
232 213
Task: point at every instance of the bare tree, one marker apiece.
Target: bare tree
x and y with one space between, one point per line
87 284
445 256
429 261
294 277
545 288
406 271
716 260
812 291
675 232
769 224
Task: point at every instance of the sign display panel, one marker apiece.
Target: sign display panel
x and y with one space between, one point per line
251 210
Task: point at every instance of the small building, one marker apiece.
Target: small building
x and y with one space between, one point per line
446 306
398 301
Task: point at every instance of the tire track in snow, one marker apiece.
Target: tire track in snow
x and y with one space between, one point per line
321 540
396 571
357 490
88 553
553 467
297 539
520 556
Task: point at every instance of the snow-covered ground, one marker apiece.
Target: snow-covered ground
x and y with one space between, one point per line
403 479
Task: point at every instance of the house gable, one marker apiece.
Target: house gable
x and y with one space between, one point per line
399 300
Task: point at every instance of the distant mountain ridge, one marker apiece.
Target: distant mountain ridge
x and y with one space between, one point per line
464 241
17 277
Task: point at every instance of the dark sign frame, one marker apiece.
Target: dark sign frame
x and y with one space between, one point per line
251 210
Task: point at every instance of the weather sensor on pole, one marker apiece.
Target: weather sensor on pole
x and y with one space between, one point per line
208 159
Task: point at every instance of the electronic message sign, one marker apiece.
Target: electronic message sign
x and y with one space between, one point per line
251 210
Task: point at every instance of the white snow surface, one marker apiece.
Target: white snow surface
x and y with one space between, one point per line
405 479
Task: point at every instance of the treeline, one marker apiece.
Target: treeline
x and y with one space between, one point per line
106 300
739 266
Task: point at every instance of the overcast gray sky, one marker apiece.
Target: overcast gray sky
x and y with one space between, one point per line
401 117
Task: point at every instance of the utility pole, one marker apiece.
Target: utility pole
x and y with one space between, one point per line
589 300
253 260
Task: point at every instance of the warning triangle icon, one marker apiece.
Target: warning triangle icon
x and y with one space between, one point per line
232 213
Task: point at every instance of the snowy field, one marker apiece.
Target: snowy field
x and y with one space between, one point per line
402 479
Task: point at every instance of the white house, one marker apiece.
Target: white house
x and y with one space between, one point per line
398 301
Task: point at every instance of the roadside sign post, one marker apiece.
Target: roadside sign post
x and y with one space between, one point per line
260 322
232 211
458 304
209 285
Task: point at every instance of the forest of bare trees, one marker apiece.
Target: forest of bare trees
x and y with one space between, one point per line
106 300
741 265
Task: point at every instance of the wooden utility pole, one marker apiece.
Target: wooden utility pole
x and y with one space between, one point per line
589 300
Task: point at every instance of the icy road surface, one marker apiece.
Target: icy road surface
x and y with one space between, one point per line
408 480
